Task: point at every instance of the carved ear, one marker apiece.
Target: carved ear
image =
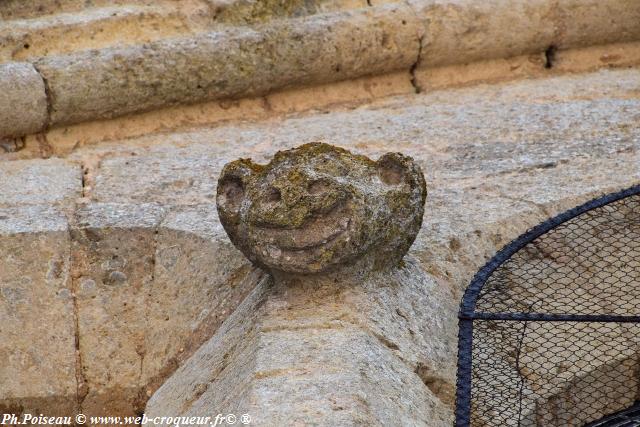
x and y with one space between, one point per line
396 169
231 186
392 168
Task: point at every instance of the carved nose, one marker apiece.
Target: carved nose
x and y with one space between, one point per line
292 203
299 190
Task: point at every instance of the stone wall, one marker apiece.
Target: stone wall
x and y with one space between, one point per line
111 250
246 50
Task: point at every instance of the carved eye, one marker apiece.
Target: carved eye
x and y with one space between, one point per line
318 187
232 193
273 195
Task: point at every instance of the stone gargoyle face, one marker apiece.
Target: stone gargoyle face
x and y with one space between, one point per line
318 207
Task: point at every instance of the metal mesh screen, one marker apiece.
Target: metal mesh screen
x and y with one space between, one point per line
550 327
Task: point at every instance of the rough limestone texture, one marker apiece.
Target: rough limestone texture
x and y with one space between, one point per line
131 292
317 49
108 59
96 27
190 296
247 12
333 238
570 393
470 156
466 31
332 227
113 261
23 100
318 207
330 353
38 336
32 182
147 296
498 159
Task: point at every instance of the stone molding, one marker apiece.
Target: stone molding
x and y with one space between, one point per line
246 61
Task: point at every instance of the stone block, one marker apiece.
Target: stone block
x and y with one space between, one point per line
179 178
459 32
199 280
38 332
309 354
231 349
591 22
113 262
32 182
23 101
321 48
16 9
592 373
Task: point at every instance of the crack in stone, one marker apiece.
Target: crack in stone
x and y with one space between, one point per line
266 104
81 383
48 95
45 148
152 279
83 176
550 56
12 145
414 66
142 384
89 166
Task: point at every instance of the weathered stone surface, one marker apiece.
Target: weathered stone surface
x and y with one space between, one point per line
459 32
318 207
230 350
577 371
303 354
592 375
471 143
23 101
299 43
31 182
498 160
464 227
456 135
37 336
116 24
317 49
15 9
182 177
463 31
247 12
113 262
31 219
310 352
581 23
199 280
590 372
151 286
125 346
584 179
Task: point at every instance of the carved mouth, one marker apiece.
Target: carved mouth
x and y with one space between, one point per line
317 232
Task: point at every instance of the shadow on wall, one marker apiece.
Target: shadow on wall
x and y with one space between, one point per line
95 319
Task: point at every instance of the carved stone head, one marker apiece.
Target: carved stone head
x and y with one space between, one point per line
318 207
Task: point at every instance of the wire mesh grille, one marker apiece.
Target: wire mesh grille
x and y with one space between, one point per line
550 327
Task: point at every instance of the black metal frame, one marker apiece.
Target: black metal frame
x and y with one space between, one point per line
468 314
629 417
